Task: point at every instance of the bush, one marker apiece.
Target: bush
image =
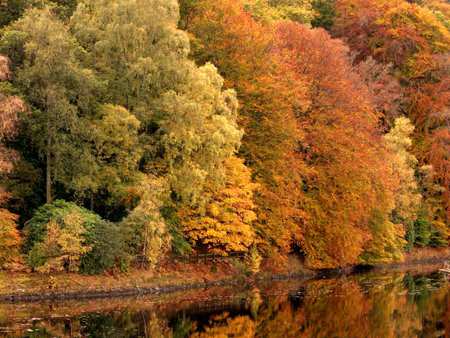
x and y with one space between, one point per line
9 239
439 234
62 236
36 227
62 247
109 249
147 233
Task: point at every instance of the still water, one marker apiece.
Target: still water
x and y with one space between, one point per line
377 305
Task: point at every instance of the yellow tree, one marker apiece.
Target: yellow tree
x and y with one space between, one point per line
407 196
270 94
225 224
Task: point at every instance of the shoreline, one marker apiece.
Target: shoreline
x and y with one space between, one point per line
63 286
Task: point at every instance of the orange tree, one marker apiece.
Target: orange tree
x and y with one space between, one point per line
10 107
269 93
415 39
311 132
343 148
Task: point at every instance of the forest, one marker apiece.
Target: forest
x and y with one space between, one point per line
135 130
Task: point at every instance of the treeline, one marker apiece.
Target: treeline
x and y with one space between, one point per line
136 128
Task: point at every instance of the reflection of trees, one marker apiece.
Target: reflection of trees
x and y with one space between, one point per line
350 308
430 296
157 327
362 306
335 309
278 318
240 326
391 314
116 324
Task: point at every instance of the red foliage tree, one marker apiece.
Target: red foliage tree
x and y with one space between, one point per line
415 39
270 93
342 146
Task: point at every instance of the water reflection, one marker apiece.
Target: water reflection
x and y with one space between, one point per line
393 305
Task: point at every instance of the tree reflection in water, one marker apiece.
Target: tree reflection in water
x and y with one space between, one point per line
393 305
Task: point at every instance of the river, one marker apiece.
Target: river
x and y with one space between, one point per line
388 304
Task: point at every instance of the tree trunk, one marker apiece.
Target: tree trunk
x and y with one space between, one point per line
48 173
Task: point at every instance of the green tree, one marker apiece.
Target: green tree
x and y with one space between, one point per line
88 147
114 151
58 89
295 10
11 10
188 122
325 13
429 228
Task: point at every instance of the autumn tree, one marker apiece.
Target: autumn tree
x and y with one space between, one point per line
10 239
385 91
269 92
407 196
415 39
187 121
10 108
347 179
226 224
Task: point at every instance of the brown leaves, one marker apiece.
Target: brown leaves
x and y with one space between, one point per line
414 38
5 70
10 107
341 146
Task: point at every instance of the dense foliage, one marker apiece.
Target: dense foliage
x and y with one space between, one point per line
227 223
136 128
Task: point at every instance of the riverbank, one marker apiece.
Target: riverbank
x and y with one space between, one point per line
287 308
179 276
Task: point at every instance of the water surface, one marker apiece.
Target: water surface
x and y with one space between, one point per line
369 305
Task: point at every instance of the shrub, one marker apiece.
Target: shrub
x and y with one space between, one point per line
62 247
63 236
148 235
439 234
109 249
36 227
9 238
